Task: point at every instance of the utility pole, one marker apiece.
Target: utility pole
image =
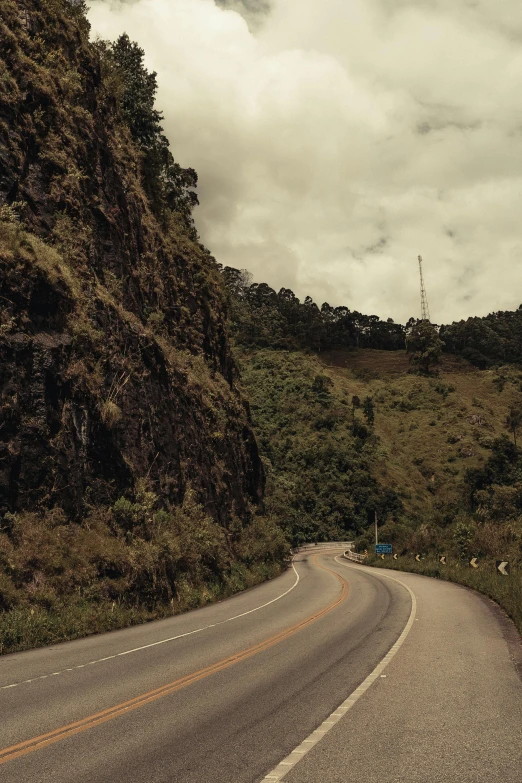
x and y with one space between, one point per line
425 312
376 532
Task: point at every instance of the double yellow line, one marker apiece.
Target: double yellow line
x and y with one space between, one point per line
70 729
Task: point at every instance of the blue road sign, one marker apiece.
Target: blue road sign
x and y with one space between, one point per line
383 549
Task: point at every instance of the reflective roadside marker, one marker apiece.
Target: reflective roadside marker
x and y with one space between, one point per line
442 559
395 556
503 567
418 558
473 562
382 557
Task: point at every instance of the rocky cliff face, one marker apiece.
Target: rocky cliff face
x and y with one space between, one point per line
114 359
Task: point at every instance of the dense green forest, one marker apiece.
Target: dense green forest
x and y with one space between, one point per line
265 318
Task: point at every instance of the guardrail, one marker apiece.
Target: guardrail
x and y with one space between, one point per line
354 557
323 545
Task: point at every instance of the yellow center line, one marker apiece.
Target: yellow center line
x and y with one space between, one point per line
56 735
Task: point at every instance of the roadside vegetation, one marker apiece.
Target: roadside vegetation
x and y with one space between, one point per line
132 562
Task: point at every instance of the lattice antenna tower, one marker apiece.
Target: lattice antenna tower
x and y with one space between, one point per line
425 311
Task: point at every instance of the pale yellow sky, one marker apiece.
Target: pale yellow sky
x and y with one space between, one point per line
336 140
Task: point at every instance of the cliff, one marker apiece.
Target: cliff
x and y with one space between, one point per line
116 376
115 362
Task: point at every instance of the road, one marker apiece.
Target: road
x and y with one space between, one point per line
353 673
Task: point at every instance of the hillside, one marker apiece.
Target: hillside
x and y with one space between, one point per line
350 423
130 479
431 430
426 434
434 460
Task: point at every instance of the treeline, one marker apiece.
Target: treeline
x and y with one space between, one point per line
265 318
169 187
494 339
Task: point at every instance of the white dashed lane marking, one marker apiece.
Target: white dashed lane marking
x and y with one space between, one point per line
155 644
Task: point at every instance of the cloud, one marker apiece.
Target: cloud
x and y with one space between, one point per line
336 141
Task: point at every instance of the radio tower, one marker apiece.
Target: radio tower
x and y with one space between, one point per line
425 312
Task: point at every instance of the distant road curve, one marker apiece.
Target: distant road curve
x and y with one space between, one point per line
323 545
228 692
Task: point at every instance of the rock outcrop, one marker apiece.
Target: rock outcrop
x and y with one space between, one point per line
114 359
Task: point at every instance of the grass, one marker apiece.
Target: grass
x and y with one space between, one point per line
25 628
431 429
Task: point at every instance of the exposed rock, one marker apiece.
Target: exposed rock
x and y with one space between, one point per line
114 357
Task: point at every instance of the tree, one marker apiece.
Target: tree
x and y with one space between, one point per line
356 403
321 387
424 345
369 411
138 92
168 185
514 420
237 281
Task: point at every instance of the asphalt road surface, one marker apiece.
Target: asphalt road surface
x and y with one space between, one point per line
332 672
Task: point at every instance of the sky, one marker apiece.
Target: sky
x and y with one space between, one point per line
336 140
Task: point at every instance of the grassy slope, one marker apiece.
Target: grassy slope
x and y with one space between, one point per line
431 429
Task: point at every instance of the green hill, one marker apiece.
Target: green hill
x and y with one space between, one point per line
428 432
438 462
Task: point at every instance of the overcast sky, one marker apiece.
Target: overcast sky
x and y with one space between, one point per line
335 140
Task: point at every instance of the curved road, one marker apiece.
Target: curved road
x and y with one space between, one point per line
332 672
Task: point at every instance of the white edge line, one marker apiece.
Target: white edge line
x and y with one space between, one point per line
164 641
293 758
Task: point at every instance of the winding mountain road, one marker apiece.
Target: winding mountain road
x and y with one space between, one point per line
332 672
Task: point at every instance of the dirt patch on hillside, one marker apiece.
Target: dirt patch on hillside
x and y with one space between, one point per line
377 363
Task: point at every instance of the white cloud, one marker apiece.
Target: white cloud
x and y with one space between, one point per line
336 141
